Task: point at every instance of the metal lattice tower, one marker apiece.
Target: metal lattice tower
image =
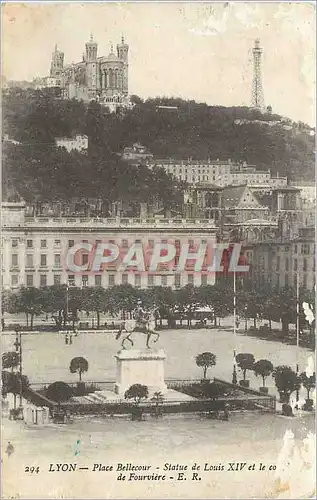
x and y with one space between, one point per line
257 89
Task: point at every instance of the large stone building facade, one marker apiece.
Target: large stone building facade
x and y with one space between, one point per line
219 172
34 249
103 78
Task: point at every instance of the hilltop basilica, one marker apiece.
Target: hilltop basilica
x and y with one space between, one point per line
103 78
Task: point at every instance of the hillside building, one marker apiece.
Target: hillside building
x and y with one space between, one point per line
101 78
221 173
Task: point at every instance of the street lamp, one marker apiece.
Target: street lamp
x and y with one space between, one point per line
18 349
297 335
234 373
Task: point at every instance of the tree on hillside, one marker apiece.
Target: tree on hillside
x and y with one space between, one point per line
78 365
206 360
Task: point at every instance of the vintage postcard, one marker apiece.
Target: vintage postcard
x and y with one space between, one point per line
158 250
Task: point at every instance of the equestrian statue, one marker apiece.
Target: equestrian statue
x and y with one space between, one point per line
143 322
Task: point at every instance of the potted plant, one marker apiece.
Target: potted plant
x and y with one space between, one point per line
309 382
286 381
205 360
264 368
245 361
158 400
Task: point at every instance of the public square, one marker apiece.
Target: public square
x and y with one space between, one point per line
46 357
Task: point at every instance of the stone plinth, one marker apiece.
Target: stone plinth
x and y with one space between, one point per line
140 366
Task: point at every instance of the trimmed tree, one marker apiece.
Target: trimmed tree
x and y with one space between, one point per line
263 368
286 381
206 360
10 360
137 392
59 392
245 361
309 383
78 365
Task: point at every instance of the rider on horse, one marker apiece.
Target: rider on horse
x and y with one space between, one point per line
140 315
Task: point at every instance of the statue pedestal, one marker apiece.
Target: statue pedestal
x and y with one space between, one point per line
140 366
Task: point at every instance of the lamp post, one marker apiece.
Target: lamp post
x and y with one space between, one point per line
18 349
234 373
297 335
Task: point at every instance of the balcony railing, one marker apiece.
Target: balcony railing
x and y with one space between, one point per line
105 223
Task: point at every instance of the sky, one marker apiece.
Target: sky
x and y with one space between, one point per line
200 51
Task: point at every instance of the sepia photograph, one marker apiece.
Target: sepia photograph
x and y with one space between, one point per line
158 276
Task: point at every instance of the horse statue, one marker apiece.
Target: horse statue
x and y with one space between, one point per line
142 322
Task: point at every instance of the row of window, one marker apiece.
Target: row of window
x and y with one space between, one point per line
30 260
71 243
287 264
111 280
287 280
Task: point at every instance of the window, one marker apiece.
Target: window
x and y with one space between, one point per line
295 249
29 260
137 280
14 259
204 279
84 280
71 280
57 260
111 279
124 279
164 280
286 279
29 243
43 280
295 280
295 264
125 243
278 259
57 243
305 265
70 243
14 279
85 259
14 242
29 280
286 264
305 280
151 243
190 279
43 260
191 243
98 280
305 249
43 243
57 279
150 280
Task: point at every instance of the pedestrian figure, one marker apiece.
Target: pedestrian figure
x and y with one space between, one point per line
66 339
70 339
10 449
